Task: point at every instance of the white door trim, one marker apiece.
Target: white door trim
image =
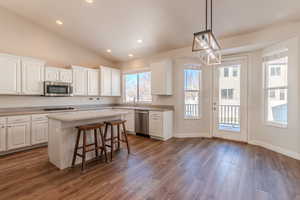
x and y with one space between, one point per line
244 74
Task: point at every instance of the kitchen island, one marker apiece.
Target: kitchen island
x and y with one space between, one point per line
62 133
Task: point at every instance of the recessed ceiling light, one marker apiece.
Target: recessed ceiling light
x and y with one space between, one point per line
108 51
59 22
130 55
140 41
89 1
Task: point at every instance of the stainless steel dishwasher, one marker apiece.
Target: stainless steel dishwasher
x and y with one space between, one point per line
142 122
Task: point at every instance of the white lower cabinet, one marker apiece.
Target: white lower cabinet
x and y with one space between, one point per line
18 135
39 132
161 124
130 121
2 137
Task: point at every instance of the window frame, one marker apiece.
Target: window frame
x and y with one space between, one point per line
185 117
137 98
266 90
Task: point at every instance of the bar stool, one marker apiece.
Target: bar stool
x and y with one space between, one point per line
85 147
116 139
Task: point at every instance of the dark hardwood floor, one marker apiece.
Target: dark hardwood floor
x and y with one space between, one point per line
180 169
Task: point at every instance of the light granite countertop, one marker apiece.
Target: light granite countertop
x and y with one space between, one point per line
6 112
87 115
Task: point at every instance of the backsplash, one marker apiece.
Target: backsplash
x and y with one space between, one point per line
33 101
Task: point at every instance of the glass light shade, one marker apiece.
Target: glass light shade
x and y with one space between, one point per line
205 40
206 44
211 57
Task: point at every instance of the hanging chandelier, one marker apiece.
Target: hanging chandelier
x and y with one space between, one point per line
205 43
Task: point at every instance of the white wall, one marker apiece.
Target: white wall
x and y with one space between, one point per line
286 141
182 127
281 139
21 37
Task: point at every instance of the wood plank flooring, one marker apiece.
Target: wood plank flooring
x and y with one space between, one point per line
183 169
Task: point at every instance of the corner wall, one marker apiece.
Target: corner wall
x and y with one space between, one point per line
285 141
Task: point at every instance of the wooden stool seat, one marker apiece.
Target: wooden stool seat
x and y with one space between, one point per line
116 139
90 127
89 147
115 122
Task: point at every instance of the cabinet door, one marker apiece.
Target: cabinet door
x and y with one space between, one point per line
65 75
156 124
105 88
18 135
32 76
93 82
51 74
10 74
2 138
161 75
39 132
80 81
115 82
130 120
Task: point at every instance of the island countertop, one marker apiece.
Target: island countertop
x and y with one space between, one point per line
87 115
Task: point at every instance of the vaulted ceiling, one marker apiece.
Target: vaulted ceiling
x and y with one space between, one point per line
161 24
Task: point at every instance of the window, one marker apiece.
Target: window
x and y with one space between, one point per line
272 94
192 79
137 87
226 72
227 93
275 71
234 72
276 88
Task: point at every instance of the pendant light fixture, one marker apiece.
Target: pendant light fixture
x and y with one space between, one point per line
206 43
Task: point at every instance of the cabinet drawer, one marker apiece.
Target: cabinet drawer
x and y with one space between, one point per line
2 120
17 119
155 115
42 117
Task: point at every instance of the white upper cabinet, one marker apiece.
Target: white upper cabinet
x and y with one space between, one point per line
80 81
58 74
93 82
33 76
52 74
65 75
115 82
110 81
10 74
105 85
161 83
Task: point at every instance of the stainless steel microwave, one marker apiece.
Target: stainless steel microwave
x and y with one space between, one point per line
57 89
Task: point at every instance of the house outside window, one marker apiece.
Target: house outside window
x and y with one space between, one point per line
227 93
276 88
226 72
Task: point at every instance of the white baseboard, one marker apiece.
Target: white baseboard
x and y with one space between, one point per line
192 135
277 149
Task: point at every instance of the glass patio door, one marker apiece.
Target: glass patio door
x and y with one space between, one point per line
230 99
